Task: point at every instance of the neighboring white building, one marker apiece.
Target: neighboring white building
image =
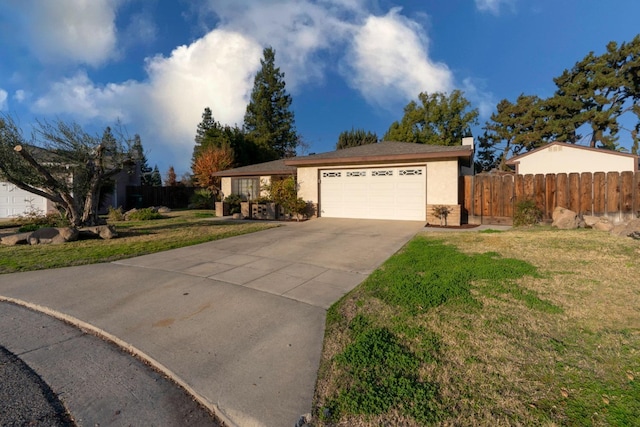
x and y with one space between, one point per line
387 180
15 202
561 157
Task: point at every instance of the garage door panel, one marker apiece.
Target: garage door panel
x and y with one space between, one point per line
374 193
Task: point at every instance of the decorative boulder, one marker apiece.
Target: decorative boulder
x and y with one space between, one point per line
565 219
128 213
163 209
590 220
597 222
627 229
104 232
16 239
53 236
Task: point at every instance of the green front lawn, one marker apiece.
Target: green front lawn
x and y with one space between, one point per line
526 327
175 230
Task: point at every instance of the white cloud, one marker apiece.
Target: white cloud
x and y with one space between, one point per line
3 99
20 95
480 98
296 30
386 60
80 31
141 29
78 97
494 6
215 71
389 60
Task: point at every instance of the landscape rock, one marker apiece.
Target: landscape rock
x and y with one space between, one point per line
162 209
626 229
16 239
565 219
604 225
104 232
591 220
53 236
127 214
304 421
597 222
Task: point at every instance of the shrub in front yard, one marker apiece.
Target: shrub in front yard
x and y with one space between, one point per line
233 200
115 214
202 199
145 214
526 213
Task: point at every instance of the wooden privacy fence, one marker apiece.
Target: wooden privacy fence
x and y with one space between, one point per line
491 199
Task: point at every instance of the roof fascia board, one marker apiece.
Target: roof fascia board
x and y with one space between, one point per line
395 158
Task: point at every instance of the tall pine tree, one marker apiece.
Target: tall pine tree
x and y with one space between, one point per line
145 169
156 178
269 121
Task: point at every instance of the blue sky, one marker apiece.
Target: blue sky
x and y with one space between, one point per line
156 64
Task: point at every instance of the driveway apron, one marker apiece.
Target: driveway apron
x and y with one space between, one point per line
239 321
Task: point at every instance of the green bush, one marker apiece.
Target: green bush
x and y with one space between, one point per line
35 218
202 199
526 213
115 214
145 214
284 192
234 203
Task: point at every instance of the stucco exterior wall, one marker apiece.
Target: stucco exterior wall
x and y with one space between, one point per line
225 186
442 182
564 159
308 184
264 181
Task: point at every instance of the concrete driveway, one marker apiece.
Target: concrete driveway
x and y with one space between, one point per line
240 321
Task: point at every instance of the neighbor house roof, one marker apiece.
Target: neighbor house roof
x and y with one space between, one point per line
386 151
516 159
276 167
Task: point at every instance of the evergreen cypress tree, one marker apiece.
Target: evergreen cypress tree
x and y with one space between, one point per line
269 121
156 178
145 169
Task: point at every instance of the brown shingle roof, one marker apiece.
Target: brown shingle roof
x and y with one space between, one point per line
386 151
276 167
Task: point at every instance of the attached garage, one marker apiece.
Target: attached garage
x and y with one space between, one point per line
14 201
374 193
388 180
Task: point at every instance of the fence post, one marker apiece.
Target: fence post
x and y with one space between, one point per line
586 193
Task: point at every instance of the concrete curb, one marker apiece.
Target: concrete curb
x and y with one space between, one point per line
128 348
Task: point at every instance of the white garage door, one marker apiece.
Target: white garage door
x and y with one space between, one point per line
374 193
14 201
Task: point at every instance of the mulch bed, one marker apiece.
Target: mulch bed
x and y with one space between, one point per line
453 227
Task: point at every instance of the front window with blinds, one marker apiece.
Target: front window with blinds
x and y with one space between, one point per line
247 188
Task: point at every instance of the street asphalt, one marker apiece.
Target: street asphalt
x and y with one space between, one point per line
238 323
